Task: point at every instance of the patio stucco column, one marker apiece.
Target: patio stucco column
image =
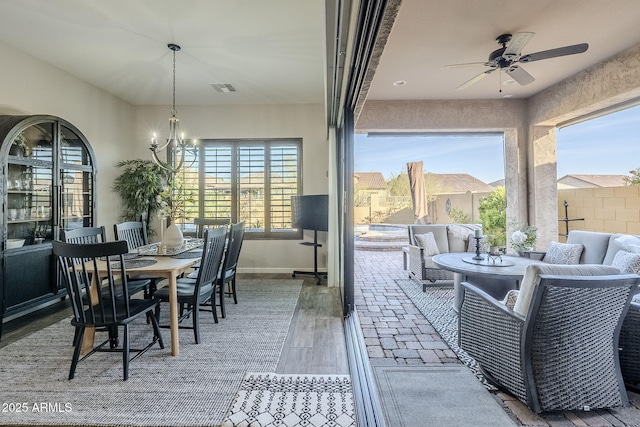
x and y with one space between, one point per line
543 187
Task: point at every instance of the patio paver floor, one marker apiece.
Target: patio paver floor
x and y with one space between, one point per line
396 333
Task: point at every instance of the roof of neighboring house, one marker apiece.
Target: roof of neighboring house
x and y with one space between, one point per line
580 181
458 182
370 180
498 183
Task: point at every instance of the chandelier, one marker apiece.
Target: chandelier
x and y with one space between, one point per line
176 142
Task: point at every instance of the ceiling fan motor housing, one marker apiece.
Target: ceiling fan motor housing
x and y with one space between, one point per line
496 59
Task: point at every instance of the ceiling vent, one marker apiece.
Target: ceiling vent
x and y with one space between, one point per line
224 87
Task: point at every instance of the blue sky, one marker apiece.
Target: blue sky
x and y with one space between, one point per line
607 145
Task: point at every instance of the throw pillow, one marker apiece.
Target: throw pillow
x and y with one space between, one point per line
563 253
427 241
511 298
629 243
627 262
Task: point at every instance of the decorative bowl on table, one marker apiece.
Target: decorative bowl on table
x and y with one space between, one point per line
15 243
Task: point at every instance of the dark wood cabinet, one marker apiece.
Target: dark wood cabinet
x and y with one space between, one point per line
48 184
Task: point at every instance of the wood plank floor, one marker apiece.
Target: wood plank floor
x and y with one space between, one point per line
315 343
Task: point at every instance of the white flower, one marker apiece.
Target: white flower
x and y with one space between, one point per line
518 237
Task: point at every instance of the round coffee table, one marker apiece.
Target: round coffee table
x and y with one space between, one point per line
495 278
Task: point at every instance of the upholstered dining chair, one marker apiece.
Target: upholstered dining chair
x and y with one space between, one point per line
194 293
556 348
135 234
112 306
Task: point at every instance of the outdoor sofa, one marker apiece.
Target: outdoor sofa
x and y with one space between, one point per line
446 238
619 250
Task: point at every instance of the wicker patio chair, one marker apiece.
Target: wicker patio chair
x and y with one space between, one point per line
563 355
630 346
421 267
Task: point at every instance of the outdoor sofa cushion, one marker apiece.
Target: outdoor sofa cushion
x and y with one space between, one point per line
595 245
531 273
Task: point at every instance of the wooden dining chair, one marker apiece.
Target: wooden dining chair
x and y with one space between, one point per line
84 235
111 307
135 234
227 275
202 223
194 293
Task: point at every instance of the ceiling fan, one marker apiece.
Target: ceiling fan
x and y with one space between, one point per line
509 56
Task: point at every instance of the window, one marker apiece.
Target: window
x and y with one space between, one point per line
246 180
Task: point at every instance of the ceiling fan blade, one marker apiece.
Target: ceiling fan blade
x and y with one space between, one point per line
516 44
554 53
519 75
475 79
463 65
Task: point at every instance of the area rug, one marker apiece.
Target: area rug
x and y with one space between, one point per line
436 304
268 399
195 388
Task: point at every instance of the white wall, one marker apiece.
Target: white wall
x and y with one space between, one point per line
257 121
30 86
118 131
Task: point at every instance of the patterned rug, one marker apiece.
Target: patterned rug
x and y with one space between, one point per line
195 388
267 399
436 304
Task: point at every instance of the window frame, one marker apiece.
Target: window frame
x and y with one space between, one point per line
235 146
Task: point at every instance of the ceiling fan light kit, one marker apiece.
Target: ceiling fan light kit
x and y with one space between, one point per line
509 55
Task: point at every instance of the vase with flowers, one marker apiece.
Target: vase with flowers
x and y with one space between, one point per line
173 200
524 239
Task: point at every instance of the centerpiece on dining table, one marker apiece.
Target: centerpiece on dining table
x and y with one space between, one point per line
173 200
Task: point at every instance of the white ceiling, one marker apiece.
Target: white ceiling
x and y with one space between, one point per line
273 51
429 34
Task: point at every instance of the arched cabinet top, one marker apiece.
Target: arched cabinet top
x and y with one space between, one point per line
11 127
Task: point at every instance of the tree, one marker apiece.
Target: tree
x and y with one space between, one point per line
139 185
398 185
634 179
493 215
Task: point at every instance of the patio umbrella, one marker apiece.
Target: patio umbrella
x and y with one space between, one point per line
418 195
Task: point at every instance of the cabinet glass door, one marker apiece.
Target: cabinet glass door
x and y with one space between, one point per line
29 187
76 182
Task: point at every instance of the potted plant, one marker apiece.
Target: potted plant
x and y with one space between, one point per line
139 186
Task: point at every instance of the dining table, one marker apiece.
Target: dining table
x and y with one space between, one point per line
496 275
155 260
